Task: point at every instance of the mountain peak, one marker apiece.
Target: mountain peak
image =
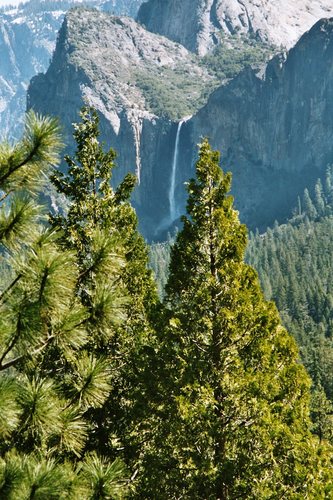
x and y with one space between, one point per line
198 24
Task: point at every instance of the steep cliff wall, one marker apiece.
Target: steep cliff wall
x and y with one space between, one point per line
27 40
113 64
26 44
275 130
197 23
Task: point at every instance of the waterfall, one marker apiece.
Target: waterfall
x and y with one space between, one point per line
172 201
136 122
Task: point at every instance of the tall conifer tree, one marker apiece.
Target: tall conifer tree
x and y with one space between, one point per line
101 227
232 420
47 379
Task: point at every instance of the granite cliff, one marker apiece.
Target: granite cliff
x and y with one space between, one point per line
27 40
198 24
274 128
126 73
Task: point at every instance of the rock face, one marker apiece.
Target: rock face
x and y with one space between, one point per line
197 23
275 130
120 7
27 40
98 59
26 44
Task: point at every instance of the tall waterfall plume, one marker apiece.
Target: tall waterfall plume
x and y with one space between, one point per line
172 200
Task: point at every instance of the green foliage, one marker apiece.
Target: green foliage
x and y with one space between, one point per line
101 226
295 267
47 381
230 416
213 403
322 414
159 260
320 204
114 284
104 480
174 95
30 476
294 264
235 53
26 165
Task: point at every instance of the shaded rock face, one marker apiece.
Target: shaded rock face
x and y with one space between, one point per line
275 130
27 41
120 7
197 24
97 59
26 44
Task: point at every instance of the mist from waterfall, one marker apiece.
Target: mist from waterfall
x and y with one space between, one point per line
172 200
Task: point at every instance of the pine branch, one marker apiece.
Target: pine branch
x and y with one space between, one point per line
14 361
3 197
24 162
10 347
37 351
10 287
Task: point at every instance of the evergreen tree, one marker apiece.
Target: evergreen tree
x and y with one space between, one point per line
47 379
159 259
101 227
309 208
320 201
328 188
232 416
322 414
303 294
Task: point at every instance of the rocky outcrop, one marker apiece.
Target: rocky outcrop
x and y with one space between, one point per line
104 60
27 40
275 129
119 7
26 44
197 24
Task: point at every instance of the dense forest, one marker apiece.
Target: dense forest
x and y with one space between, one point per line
108 391
294 262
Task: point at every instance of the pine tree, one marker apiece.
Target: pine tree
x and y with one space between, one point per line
47 379
309 208
232 420
100 226
320 202
322 414
328 185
